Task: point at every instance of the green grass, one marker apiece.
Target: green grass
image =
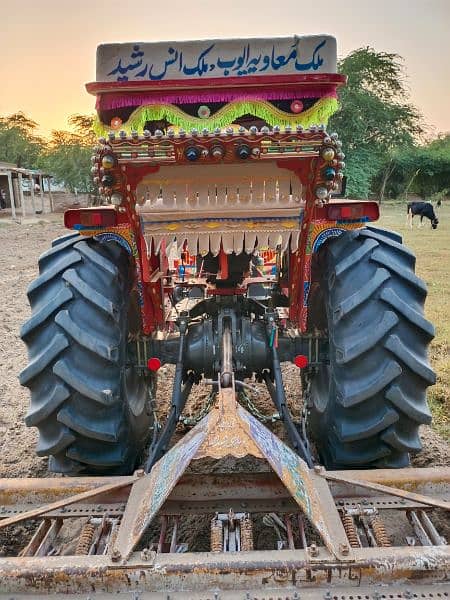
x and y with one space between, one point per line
432 248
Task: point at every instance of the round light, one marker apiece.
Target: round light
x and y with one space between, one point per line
116 198
256 151
253 130
205 131
301 361
182 133
158 133
111 136
243 151
265 130
153 364
334 136
296 106
288 129
116 122
329 173
108 180
134 134
341 165
192 153
170 133
327 154
122 134
217 151
313 129
299 128
241 130
276 129
102 140
108 161
230 130
147 133
321 192
194 132
203 111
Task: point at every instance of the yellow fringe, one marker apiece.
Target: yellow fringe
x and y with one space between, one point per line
316 115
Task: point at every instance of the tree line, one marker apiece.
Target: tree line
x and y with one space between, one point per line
388 152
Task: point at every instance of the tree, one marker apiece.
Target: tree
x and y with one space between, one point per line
424 170
19 144
374 119
68 155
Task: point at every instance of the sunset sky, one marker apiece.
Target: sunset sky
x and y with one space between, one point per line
48 46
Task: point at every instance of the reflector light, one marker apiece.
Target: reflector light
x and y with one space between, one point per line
357 210
153 364
192 153
108 161
301 361
243 151
95 217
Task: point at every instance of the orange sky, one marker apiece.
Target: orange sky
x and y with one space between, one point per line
48 46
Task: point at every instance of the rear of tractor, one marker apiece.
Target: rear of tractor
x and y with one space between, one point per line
212 155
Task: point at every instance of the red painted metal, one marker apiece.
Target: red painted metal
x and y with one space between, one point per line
330 79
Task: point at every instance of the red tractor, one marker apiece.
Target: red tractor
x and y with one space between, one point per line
218 151
222 245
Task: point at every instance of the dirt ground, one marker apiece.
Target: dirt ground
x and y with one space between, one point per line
20 247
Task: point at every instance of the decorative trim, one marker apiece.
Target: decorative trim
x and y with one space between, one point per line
122 100
316 115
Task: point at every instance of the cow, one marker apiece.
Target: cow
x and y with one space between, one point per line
422 209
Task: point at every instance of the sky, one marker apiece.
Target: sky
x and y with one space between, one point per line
47 47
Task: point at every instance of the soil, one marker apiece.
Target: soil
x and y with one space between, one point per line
21 245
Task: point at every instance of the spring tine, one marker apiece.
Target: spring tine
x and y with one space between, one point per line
379 531
216 535
350 530
246 533
85 539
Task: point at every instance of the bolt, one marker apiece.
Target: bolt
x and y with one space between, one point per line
115 556
344 549
408 594
139 473
313 550
146 554
319 469
327 595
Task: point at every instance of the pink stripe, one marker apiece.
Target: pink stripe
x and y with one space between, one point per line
115 100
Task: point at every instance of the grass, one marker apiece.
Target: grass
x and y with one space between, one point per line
432 249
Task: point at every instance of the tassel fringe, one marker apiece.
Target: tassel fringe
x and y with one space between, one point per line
316 115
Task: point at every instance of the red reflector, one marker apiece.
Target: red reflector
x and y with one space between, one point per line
346 212
153 364
90 217
301 361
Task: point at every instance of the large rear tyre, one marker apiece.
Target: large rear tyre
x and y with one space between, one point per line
366 406
90 406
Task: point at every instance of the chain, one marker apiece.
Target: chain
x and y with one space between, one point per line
207 405
247 402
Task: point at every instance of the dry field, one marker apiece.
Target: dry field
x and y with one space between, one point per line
21 245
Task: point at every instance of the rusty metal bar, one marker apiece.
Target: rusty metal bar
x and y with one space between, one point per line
428 500
37 512
420 532
430 528
36 540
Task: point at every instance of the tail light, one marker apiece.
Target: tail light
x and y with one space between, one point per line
90 217
353 211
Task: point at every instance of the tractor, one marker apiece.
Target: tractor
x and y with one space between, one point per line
223 244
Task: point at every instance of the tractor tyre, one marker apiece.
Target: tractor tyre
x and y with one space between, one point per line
365 407
90 406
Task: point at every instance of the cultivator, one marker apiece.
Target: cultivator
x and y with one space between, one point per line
291 532
212 156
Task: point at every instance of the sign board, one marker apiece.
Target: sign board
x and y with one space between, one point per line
207 59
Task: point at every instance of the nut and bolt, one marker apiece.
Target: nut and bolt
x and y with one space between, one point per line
313 550
115 556
344 549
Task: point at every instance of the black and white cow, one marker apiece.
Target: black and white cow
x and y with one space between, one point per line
422 209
